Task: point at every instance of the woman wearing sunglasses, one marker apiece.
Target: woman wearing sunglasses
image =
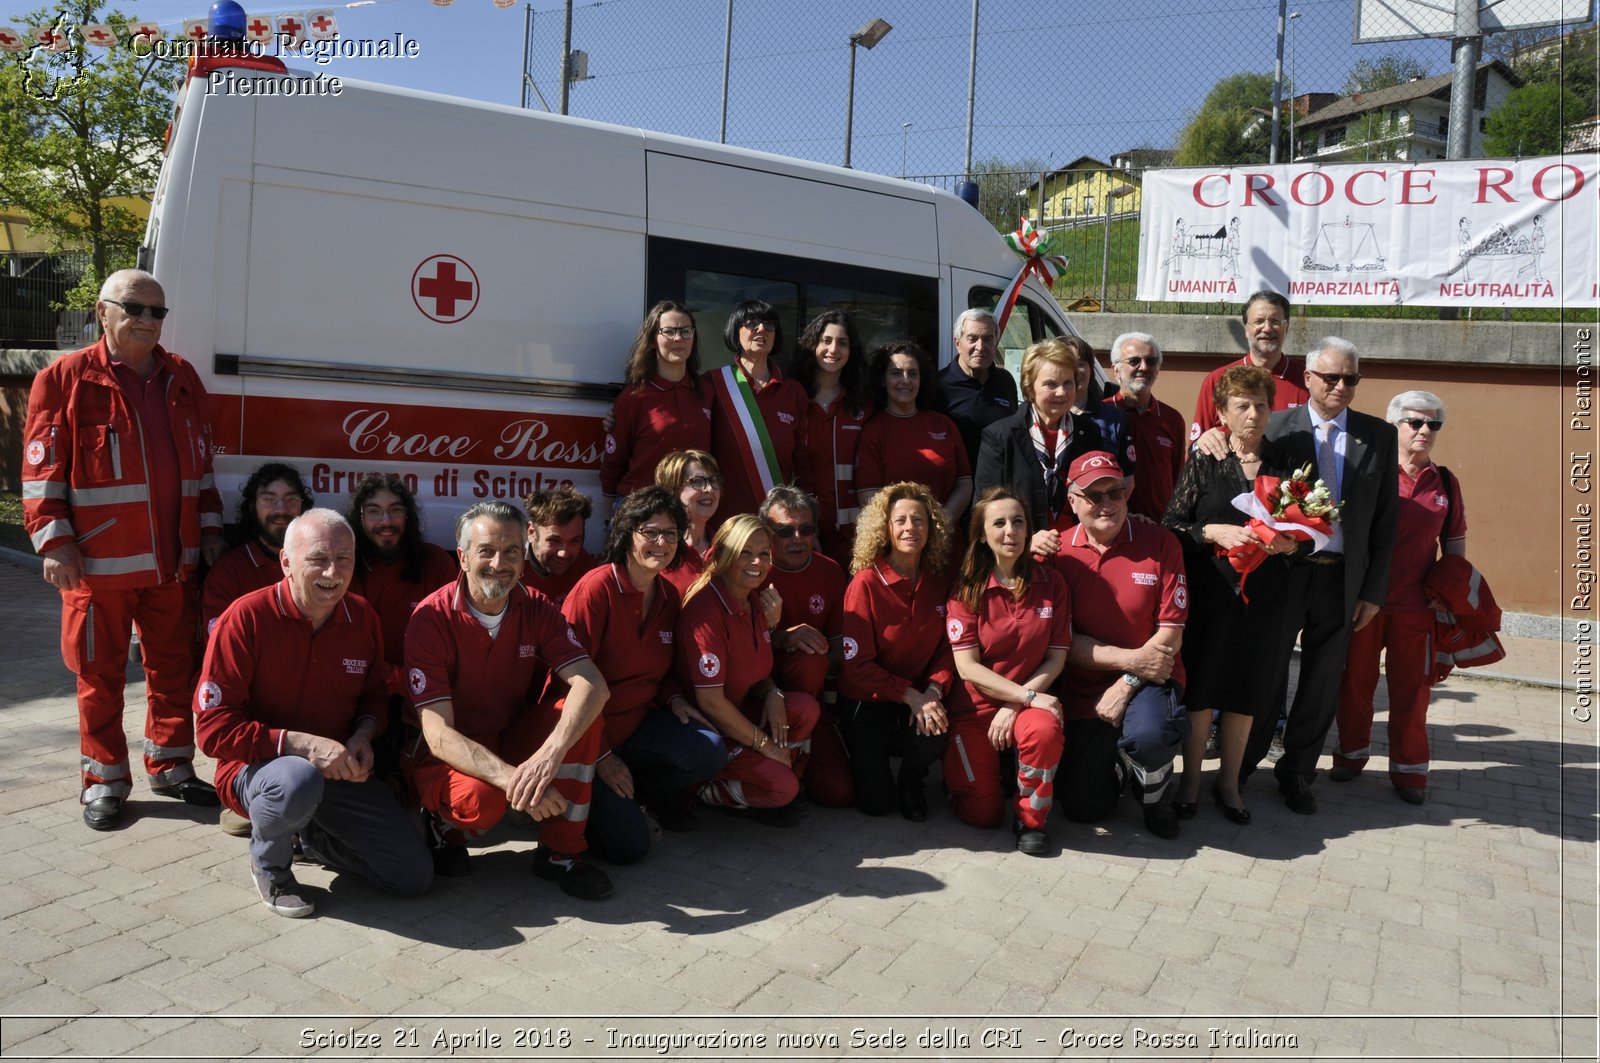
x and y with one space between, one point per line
1432 521
664 406
1229 643
758 423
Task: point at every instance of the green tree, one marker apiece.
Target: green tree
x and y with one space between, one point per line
1533 121
1233 124
1388 70
1572 61
79 128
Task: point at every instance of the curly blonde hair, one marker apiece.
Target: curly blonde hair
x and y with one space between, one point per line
872 527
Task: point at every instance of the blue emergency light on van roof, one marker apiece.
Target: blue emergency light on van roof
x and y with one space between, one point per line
227 21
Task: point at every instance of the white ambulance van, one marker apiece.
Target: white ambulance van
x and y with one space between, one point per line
390 280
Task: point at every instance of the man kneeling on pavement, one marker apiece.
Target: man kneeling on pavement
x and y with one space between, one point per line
1123 686
479 653
291 694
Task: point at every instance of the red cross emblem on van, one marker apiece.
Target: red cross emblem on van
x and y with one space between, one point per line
445 289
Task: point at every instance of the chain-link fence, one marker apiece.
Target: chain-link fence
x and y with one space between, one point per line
1072 102
33 288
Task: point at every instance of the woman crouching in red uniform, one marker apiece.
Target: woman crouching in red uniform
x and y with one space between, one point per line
1010 627
724 652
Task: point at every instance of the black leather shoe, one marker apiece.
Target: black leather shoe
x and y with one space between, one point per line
103 813
1161 820
1297 795
190 792
1412 795
913 802
1337 774
1238 816
1031 841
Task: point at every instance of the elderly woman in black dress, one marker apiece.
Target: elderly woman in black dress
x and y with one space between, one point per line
1228 644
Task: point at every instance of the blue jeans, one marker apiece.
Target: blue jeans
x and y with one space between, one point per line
349 826
666 758
1099 758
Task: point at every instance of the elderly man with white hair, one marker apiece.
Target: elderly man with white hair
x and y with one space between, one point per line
1157 430
1432 521
119 500
292 693
977 389
1340 588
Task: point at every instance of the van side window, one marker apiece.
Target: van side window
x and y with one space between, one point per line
1027 325
712 280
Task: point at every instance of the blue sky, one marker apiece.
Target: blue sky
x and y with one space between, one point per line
1057 78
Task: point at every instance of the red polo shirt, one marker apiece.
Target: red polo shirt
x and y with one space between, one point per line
894 634
266 672
685 574
722 644
783 404
812 595
1012 637
556 588
1158 442
384 586
247 567
632 649
1120 597
1423 511
833 437
650 423
924 448
1291 392
488 680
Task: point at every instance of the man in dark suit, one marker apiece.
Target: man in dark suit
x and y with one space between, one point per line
1340 588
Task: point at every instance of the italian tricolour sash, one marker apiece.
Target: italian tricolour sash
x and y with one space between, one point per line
760 461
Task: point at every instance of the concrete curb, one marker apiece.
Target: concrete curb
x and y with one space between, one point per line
21 559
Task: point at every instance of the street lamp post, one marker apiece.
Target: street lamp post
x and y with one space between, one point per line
905 133
867 36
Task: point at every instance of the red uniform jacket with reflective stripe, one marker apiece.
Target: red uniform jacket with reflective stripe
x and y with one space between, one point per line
83 469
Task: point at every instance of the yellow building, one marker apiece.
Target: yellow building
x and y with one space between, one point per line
1079 189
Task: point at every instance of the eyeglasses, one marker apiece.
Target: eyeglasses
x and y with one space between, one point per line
686 332
704 483
158 313
789 531
657 535
1416 423
1149 360
1100 498
760 326
1349 380
379 512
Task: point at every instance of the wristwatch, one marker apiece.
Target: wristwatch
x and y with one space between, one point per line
1133 681
1028 696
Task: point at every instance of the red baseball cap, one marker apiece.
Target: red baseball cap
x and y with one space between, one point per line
1095 465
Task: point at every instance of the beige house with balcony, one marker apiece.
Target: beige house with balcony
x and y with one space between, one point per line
1403 123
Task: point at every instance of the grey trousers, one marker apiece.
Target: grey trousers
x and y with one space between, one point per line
349 826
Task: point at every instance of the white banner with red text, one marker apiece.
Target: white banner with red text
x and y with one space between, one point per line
1471 232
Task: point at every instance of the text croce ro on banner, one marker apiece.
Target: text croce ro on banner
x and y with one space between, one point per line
1472 232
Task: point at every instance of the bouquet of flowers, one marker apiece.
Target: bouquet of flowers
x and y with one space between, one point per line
1296 506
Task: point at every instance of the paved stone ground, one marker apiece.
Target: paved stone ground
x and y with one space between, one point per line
1462 930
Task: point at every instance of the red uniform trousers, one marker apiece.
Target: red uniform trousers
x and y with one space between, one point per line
828 779
750 780
972 768
1408 639
475 806
95 626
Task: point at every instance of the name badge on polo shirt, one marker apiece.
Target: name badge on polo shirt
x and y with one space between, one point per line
524 652
1046 612
1146 579
666 637
998 401
355 666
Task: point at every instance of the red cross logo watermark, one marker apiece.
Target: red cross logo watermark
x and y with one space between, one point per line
290 27
445 289
258 30
51 38
196 32
99 36
9 42
322 23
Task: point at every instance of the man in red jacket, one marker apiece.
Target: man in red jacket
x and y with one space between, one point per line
292 693
118 497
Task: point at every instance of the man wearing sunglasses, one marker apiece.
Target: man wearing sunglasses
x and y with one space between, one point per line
1340 588
118 498
810 632
1122 691
1157 428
